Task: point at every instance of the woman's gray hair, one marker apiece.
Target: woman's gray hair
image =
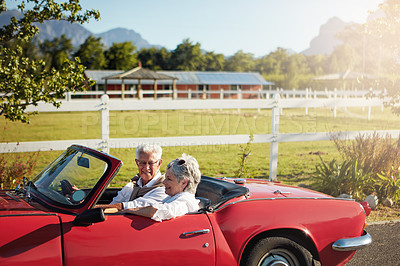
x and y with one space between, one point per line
186 167
149 148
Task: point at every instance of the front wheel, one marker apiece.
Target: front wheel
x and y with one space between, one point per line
278 251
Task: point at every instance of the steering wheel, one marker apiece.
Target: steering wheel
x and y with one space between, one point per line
66 187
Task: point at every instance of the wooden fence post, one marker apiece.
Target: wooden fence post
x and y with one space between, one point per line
273 160
105 123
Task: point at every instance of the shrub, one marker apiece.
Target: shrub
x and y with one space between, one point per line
334 179
389 186
13 170
373 153
11 173
242 171
371 165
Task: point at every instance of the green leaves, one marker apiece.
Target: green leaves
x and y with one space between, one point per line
25 79
245 151
389 186
121 56
91 53
371 166
335 179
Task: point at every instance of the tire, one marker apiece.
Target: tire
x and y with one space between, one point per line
278 251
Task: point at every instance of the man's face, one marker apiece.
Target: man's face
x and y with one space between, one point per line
148 165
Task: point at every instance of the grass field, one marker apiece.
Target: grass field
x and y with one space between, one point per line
296 161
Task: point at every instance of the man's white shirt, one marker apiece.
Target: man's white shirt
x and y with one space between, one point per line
153 196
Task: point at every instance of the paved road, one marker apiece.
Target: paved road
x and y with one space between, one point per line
385 247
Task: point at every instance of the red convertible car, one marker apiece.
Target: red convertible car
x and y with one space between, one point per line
239 222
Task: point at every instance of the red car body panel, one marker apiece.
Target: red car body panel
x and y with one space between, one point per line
39 230
257 217
130 239
35 243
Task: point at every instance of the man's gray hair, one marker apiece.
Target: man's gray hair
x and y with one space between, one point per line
186 167
149 148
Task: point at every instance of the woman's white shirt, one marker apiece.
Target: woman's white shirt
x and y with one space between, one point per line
175 206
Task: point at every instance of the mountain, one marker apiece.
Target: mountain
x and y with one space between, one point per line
55 28
123 35
326 41
5 17
78 34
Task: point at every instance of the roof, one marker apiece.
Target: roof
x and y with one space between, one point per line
139 73
218 78
185 77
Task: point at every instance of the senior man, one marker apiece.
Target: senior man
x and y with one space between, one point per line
147 186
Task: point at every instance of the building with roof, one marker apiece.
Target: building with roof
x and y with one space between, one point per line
185 84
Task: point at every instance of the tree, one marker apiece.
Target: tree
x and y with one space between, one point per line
91 53
187 56
153 58
163 59
296 71
55 52
213 62
385 28
347 58
272 65
315 64
240 62
25 80
121 56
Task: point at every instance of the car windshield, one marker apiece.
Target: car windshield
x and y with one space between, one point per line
71 177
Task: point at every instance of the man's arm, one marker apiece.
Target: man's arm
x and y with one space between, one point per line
123 194
118 206
153 196
148 211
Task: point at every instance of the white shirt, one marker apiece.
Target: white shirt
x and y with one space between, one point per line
175 206
153 196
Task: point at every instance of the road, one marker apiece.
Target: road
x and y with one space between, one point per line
385 247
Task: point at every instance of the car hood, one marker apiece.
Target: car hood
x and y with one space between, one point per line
12 204
265 189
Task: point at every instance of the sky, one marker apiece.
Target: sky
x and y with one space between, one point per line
226 26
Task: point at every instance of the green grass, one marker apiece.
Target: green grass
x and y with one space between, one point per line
296 160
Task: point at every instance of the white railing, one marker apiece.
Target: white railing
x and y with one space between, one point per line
276 104
221 94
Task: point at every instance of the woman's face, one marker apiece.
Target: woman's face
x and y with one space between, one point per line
172 187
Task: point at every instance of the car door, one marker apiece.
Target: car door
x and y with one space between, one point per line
31 239
126 239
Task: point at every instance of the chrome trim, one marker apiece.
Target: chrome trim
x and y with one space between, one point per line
12 196
349 244
281 192
240 181
278 198
203 231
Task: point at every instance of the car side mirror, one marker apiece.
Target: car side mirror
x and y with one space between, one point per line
89 217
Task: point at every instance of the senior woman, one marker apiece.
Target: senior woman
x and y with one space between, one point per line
181 180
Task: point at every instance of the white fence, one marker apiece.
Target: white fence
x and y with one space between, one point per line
274 137
223 94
